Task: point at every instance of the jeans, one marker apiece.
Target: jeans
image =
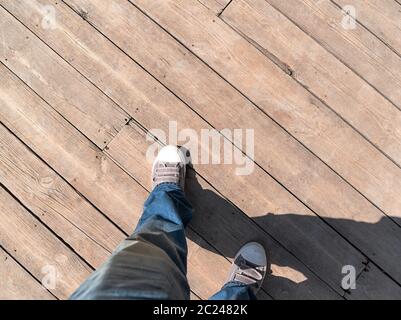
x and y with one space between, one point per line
152 263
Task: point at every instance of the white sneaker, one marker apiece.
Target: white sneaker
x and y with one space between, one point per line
249 266
169 167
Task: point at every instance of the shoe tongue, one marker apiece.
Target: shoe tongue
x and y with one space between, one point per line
170 165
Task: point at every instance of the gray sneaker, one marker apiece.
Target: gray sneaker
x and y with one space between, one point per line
249 266
169 167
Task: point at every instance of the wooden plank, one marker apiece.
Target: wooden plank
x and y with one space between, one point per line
373 284
216 6
55 203
319 71
69 153
37 249
95 57
51 77
214 274
223 107
122 92
148 102
382 17
357 48
84 166
304 116
229 229
17 284
194 297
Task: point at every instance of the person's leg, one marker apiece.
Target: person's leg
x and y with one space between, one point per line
152 263
247 274
235 291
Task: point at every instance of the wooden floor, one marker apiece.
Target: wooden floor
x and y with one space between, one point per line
83 81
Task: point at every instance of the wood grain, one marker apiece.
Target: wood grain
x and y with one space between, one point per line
216 6
372 284
37 248
69 153
153 105
85 167
381 17
288 103
357 48
57 82
290 202
322 73
56 204
17 284
309 179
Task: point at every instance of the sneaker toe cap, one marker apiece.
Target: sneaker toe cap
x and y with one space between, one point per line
171 154
254 253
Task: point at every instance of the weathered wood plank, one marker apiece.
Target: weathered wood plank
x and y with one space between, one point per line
17 284
216 6
154 106
223 107
357 48
55 203
149 114
294 108
194 297
69 153
95 57
83 165
52 78
37 249
382 17
322 73
373 284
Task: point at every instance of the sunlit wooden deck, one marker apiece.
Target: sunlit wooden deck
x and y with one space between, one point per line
83 82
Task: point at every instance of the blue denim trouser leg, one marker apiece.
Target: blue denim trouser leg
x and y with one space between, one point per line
152 263
235 291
